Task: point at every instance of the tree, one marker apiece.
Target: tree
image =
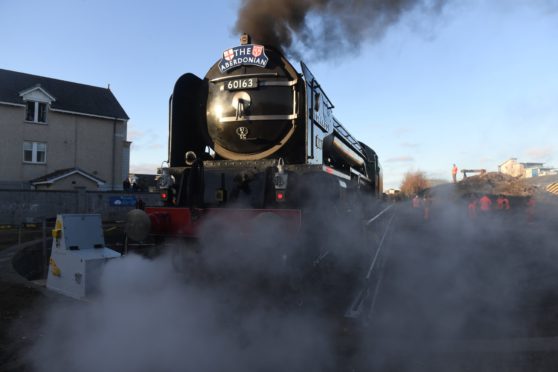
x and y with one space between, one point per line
414 183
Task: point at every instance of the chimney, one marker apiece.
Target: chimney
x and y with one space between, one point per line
244 39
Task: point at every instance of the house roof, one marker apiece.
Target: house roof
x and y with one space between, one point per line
72 97
63 173
532 165
526 165
510 159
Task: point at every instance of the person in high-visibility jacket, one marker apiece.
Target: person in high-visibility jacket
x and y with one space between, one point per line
502 203
531 203
426 203
454 173
485 204
416 202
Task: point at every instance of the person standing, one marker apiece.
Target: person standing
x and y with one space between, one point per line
140 204
472 207
454 173
502 203
531 203
426 203
416 202
485 204
126 184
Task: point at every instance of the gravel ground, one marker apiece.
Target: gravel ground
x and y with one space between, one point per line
22 301
18 298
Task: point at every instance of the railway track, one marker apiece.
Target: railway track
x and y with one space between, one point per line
362 307
452 295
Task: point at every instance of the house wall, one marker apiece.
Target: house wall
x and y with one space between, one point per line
96 145
512 168
11 145
125 160
531 172
548 172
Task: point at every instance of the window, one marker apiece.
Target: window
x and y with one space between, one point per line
36 112
34 152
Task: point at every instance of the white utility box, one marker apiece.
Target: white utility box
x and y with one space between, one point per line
78 255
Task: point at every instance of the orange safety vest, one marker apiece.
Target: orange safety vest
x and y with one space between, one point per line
503 203
454 170
485 203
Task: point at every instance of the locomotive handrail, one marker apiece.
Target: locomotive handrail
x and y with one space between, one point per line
225 78
288 83
313 83
283 83
257 117
345 134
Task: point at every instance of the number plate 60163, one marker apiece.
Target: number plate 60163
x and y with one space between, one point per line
240 84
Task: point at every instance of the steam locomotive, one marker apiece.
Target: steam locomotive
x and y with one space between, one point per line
255 137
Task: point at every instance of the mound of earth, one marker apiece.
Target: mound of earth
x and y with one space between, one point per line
495 183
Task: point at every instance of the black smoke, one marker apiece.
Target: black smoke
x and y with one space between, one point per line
326 28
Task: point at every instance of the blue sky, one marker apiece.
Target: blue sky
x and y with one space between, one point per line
474 86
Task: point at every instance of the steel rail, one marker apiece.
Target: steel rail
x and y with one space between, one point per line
380 279
358 303
371 268
378 215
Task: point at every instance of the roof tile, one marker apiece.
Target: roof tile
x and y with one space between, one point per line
79 98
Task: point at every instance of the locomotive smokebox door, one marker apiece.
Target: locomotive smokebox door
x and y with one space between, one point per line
252 102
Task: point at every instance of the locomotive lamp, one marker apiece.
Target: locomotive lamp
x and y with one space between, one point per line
280 166
280 195
164 180
280 180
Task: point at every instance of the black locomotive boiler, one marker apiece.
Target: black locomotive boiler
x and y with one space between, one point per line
254 137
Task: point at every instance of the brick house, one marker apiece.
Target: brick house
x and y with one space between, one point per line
57 134
516 169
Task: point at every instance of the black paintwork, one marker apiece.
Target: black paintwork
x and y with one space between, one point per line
247 140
